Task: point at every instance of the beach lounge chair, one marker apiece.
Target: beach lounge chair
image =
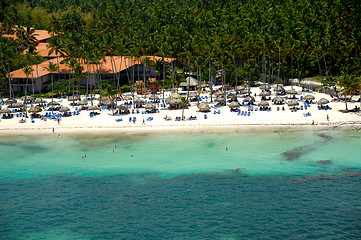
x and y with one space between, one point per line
119 119
249 113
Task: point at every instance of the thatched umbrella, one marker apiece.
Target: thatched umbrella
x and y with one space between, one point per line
240 88
265 87
173 102
264 94
108 103
291 91
203 107
245 91
175 96
28 98
64 109
263 104
123 107
34 110
139 101
309 97
249 99
279 89
219 93
11 101
233 105
278 100
232 96
127 98
150 107
74 98
54 104
39 100
81 103
220 99
93 108
17 105
322 101
153 97
5 110
293 103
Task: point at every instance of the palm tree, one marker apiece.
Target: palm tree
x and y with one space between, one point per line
52 67
7 52
28 70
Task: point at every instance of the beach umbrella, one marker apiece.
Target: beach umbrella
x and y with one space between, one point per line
127 98
17 105
150 107
54 103
245 91
173 101
175 96
293 103
203 107
220 99
249 99
309 97
28 98
11 101
5 110
279 88
35 109
265 87
39 100
322 101
154 97
73 98
123 107
263 104
291 91
64 109
240 88
219 93
278 100
264 94
108 103
81 103
232 96
139 101
233 105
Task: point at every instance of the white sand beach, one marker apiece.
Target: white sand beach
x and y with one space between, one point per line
225 119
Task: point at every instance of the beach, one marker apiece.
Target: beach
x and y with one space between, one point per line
222 120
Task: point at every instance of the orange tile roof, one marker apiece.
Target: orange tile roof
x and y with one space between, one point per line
121 63
43 50
38 34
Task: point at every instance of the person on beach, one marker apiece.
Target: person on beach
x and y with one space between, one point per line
58 121
328 118
143 122
53 130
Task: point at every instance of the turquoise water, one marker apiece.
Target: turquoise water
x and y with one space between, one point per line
267 185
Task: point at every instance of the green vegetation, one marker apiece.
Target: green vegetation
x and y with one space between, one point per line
268 40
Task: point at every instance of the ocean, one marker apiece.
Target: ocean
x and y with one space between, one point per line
301 184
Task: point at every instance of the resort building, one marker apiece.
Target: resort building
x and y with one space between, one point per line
108 69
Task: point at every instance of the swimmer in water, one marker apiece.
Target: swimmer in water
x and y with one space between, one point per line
227 148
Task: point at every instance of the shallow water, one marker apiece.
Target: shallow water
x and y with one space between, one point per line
267 185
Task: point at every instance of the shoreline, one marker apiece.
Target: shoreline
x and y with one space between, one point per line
210 128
